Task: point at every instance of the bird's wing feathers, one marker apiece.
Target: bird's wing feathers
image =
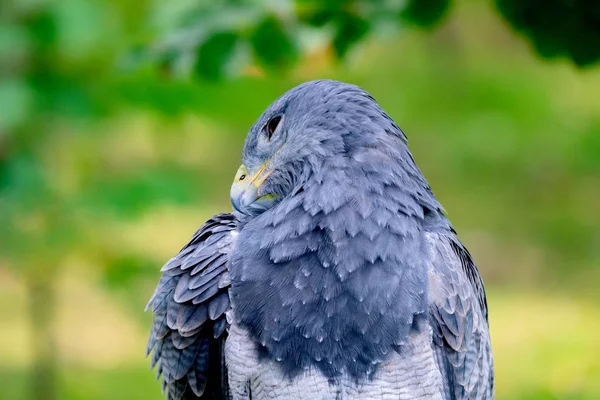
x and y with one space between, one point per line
189 305
458 316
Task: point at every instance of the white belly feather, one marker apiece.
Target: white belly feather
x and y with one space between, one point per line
412 375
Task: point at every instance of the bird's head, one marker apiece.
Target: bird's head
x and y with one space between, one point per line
315 124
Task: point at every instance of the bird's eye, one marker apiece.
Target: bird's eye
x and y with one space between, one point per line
272 126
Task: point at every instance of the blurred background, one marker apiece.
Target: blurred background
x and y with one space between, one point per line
122 123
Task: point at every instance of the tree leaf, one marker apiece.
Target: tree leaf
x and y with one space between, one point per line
351 28
557 28
318 13
318 18
273 45
214 53
425 13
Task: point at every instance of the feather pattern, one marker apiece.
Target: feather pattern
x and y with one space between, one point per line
458 317
189 305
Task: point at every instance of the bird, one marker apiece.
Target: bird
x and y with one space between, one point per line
337 274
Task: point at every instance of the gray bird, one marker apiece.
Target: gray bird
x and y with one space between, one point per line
337 276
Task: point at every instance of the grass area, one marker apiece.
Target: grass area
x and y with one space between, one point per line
81 383
545 344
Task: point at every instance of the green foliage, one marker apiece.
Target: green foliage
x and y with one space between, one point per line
214 53
425 12
350 29
272 43
558 28
273 33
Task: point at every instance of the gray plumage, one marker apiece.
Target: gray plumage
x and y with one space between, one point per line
338 277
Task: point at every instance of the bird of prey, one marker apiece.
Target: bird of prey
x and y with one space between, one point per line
337 275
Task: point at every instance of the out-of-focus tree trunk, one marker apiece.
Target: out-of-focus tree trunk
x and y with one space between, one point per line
41 311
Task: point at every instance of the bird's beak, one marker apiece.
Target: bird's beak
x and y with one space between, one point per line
245 196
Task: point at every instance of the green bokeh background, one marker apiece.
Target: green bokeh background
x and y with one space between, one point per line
108 165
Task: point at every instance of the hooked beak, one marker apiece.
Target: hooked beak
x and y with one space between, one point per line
244 193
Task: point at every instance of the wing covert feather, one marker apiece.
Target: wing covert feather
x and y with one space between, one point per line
189 304
458 317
